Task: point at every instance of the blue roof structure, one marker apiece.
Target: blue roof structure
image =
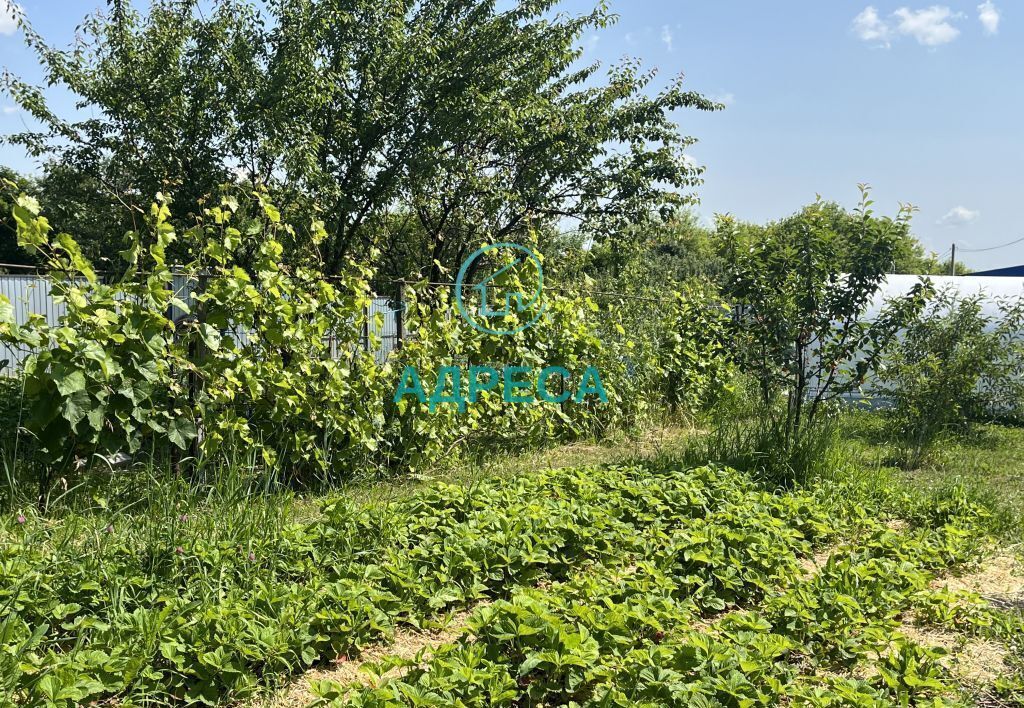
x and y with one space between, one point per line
1011 272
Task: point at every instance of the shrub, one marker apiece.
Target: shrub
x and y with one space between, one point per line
955 365
696 362
802 292
109 375
249 363
269 357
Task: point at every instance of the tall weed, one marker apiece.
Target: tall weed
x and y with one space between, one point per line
752 436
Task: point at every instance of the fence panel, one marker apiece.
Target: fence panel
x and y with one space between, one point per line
30 294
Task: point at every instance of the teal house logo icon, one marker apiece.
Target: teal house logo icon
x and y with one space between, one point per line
497 310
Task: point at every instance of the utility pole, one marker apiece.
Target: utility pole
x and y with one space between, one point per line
952 261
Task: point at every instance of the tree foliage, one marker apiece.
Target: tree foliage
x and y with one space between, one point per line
906 252
10 251
440 120
802 291
654 252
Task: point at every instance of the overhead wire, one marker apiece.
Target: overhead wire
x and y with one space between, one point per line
990 248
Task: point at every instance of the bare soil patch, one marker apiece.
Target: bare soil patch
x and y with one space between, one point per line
1000 580
970 659
408 644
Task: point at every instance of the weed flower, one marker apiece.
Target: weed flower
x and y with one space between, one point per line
20 519
179 550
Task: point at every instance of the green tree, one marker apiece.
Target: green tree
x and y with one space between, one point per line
801 290
76 202
463 120
656 253
908 255
165 95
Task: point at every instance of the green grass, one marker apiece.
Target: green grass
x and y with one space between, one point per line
665 440
856 445
989 463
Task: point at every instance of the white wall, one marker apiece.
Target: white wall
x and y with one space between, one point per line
994 288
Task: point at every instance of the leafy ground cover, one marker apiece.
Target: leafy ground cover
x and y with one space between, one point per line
737 627
189 614
616 585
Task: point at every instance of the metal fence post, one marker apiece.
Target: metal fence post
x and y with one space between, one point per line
366 328
400 315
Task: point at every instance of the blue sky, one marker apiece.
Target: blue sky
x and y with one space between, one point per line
924 102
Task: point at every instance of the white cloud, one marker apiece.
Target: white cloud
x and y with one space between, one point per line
666 37
988 13
8 11
930 26
630 39
959 216
871 28
726 98
8 110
